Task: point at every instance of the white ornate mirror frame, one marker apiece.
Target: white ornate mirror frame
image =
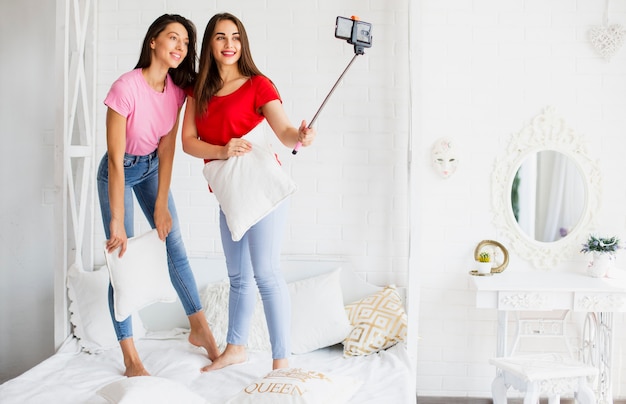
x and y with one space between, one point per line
546 131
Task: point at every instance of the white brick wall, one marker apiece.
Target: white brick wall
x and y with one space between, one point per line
486 67
352 197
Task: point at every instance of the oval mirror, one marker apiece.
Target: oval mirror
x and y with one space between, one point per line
545 191
548 195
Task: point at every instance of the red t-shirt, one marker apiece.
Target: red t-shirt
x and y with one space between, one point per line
235 114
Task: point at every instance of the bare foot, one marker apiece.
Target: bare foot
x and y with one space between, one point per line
280 364
207 341
132 361
136 370
201 335
233 354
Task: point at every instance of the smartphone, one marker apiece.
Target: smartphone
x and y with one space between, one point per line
356 32
343 28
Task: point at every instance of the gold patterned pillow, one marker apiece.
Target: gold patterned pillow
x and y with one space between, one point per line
378 322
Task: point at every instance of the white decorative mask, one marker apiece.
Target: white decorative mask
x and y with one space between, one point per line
444 157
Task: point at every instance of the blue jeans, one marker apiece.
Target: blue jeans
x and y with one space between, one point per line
256 257
142 178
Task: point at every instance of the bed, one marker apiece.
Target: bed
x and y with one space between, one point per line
349 346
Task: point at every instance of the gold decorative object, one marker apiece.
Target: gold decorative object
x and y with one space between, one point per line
497 251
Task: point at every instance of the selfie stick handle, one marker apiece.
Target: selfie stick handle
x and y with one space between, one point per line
295 149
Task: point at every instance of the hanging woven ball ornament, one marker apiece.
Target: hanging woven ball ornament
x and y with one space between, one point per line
607 40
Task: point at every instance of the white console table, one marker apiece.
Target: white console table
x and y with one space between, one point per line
544 290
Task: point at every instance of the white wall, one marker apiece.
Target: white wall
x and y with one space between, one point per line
27 96
488 67
485 69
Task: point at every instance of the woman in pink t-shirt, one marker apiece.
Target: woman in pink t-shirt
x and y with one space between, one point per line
230 98
142 120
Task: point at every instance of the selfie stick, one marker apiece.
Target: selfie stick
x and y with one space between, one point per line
360 37
295 150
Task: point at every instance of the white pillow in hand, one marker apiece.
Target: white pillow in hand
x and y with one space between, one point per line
141 276
250 186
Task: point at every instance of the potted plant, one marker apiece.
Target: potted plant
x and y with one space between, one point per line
603 250
484 263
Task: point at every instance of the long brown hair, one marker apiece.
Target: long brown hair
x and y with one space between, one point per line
209 82
185 74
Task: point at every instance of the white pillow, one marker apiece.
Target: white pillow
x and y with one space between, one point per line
141 277
89 310
297 386
318 316
215 303
148 389
250 186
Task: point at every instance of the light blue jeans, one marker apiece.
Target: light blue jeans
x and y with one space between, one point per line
142 178
256 258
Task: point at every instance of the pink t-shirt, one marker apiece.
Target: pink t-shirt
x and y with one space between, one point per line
149 114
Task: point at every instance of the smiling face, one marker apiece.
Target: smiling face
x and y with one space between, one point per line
170 47
226 43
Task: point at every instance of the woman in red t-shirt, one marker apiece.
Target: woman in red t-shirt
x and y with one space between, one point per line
230 98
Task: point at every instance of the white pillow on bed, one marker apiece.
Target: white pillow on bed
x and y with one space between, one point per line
250 186
89 310
141 277
148 389
298 386
318 316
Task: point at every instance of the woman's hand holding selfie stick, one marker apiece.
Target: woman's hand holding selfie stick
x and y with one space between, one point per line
295 149
355 32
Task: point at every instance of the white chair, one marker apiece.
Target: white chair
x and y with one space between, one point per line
543 374
539 375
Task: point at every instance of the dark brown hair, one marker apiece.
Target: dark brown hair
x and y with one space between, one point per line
185 74
209 82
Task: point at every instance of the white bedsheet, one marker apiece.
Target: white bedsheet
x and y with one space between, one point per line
70 376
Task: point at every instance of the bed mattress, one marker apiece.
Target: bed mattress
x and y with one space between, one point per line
72 376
